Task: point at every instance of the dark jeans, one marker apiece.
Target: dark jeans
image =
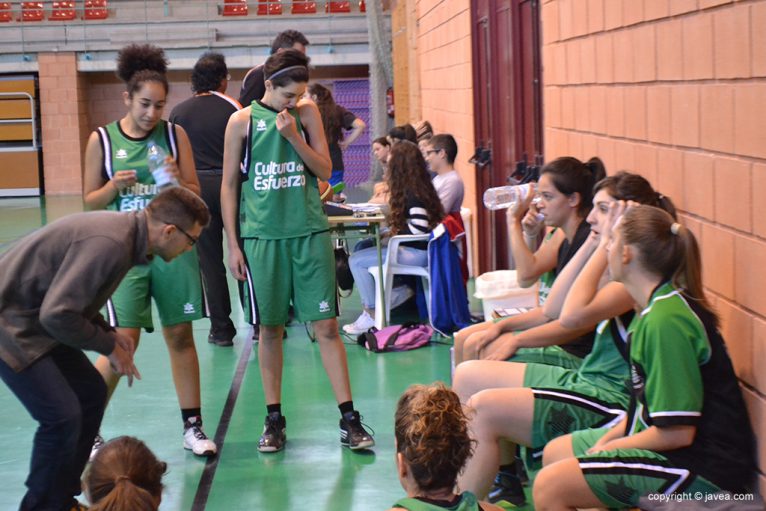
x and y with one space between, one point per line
210 250
65 394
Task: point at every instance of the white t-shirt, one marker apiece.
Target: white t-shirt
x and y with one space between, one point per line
449 188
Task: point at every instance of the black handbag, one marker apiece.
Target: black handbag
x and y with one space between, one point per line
342 270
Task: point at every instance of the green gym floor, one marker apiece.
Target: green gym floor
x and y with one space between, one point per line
313 472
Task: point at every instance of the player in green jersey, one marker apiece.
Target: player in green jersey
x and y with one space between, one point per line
432 445
279 143
117 177
533 403
565 190
687 429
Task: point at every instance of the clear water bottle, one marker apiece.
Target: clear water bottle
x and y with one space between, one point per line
156 156
504 197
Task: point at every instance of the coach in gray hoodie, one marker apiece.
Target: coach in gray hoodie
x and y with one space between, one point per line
53 283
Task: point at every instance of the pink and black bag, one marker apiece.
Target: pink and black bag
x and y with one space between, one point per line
396 338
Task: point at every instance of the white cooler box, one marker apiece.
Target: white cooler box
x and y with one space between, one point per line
500 289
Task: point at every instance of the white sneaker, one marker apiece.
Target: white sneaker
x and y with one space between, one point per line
196 440
98 443
363 323
400 294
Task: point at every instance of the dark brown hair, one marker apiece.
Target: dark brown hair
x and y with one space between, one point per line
403 132
446 142
332 114
179 206
124 476
666 249
408 177
431 432
569 175
628 186
139 63
294 59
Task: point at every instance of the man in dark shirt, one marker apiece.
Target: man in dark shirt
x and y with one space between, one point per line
253 84
52 285
204 117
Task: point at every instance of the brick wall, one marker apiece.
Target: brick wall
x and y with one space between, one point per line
62 110
673 90
445 93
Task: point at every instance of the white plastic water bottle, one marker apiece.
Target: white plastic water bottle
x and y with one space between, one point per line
156 156
504 197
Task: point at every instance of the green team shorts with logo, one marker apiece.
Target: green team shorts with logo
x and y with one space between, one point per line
301 269
619 478
547 355
175 286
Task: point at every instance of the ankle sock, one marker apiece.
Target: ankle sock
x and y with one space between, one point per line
188 413
346 407
274 408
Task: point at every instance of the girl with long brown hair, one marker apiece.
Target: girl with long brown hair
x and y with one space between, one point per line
335 120
415 209
686 406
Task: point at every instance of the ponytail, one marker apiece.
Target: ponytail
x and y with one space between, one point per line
126 496
667 249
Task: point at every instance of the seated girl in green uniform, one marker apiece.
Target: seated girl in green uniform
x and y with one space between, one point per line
565 192
117 177
280 143
687 429
531 404
432 445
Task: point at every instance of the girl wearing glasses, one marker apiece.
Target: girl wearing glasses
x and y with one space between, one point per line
117 177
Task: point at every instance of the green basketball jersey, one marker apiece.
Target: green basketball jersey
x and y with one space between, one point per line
123 152
668 344
467 502
607 365
280 196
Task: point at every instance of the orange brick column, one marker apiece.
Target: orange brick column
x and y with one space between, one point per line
63 114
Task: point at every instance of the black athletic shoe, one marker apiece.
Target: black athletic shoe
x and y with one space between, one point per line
273 438
221 338
353 434
507 487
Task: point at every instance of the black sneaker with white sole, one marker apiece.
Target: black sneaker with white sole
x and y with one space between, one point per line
353 434
273 437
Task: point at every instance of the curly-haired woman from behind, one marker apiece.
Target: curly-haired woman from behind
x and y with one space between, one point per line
124 475
432 446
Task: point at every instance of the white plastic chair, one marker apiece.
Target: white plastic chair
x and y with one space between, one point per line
392 267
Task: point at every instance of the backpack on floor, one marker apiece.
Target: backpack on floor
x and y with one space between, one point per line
408 336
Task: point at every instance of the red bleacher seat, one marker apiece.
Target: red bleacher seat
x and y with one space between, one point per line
62 11
337 7
269 7
235 8
362 6
303 7
5 12
31 11
95 10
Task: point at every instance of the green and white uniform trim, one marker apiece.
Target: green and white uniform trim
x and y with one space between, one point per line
175 286
467 502
280 195
123 152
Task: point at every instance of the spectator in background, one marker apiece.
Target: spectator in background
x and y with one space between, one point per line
440 153
335 120
204 117
124 476
414 209
424 132
381 148
403 132
253 87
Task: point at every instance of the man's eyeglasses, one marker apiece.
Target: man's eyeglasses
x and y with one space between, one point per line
429 151
192 240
